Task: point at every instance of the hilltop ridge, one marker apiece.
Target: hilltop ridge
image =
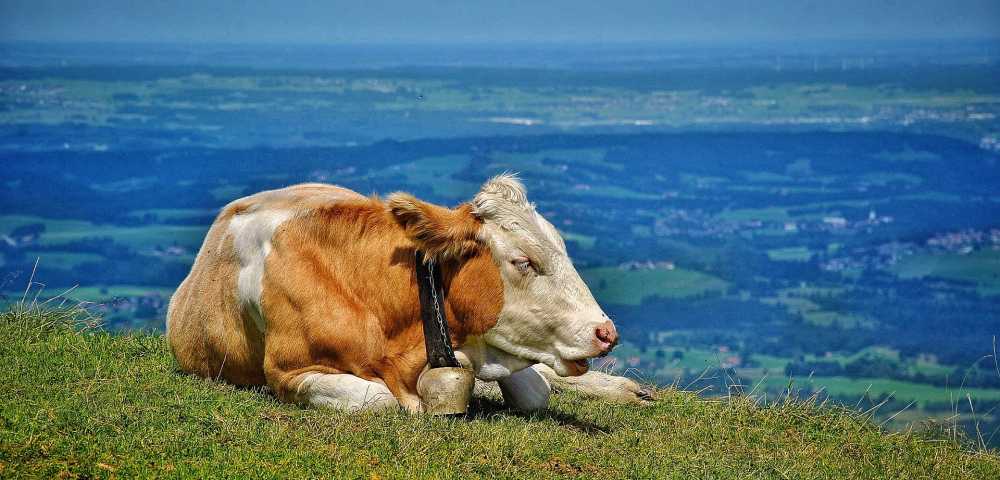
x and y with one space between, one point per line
80 402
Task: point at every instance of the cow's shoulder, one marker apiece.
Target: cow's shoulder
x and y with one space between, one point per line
296 198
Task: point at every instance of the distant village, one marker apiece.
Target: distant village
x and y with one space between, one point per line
888 254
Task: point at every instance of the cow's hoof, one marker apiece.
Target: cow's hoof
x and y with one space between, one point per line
645 394
446 391
620 389
636 392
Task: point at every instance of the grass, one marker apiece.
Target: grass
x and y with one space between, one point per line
770 372
585 156
585 241
100 293
227 192
439 173
532 163
770 214
981 267
920 393
63 259
629 287
790 254
812 313
60 232
89 404
92 101
175 213
887 178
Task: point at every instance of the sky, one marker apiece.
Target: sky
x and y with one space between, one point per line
496 21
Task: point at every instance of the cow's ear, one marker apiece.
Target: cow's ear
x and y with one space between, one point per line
439 232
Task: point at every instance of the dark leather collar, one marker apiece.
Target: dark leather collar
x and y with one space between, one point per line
437 338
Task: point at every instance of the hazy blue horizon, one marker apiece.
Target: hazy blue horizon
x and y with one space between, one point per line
699 43
650 56
452 22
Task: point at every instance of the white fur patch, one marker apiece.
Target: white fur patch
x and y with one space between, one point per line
344 392
488 362
252 233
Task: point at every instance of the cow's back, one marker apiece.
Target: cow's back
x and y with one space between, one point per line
214 327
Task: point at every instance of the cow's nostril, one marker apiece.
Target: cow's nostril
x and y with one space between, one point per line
607 335
603 335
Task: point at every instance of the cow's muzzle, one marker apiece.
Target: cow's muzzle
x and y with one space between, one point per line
605 337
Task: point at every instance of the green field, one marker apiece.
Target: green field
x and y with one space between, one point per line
813 313
589 106
855 388
62 259
981 267
629 287
438 173
175 213
767 374
790 254
88 295
228 192
775 366
93 405
691 358
58 232
772 214
103 293
585 241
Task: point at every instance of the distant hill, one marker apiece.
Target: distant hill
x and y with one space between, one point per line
88 404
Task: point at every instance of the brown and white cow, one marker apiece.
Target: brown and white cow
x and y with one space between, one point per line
311 289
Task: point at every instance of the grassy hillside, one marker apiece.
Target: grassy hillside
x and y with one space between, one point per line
91 404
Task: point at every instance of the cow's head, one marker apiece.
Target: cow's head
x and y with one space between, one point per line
548 315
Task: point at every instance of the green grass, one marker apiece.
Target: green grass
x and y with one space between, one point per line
981 267
92 102
94 294
529 163
63 259
920 365
587 156
793 300
227 192
610 191
629 287
771 363
175 213
59 232
439 173
790 254
770 214
886 178
854 388
585 241
100 293
908 155
96 405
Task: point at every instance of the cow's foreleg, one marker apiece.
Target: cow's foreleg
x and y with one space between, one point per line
525 390
339 391
597 384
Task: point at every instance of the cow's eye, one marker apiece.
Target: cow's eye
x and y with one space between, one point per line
523 265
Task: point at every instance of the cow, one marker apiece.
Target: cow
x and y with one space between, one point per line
311 290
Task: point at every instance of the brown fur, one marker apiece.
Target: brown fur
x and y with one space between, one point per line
440 232
339 291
